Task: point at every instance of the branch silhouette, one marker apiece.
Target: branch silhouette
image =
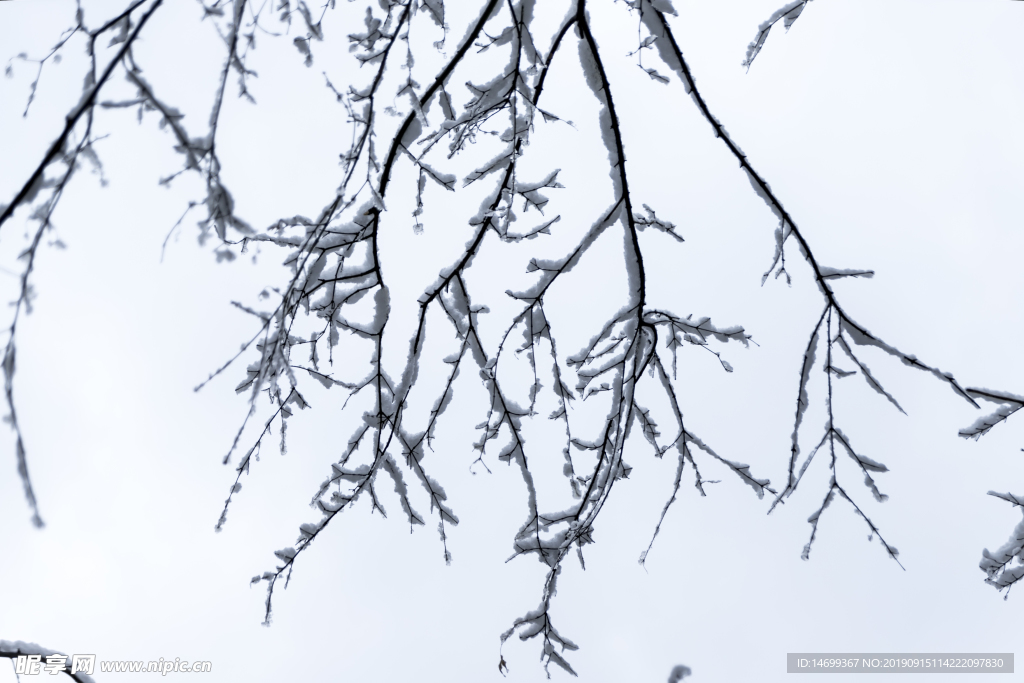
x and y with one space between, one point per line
338 285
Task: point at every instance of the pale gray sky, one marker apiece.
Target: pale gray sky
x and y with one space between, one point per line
890 129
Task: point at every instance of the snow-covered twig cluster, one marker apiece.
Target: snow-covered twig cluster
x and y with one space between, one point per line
65 155
787 14
1000 570
839 329
998 565
338 289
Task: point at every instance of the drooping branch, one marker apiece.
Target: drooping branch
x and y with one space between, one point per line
335 261
63 150
847 330
36 181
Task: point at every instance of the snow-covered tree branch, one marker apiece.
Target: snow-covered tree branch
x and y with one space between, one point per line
454 255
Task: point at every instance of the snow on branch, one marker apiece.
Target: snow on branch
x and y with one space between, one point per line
66 150
999 567
338 293
839 331
787 14
1009 404
33 659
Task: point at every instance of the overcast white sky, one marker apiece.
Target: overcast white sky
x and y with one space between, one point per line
889 128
